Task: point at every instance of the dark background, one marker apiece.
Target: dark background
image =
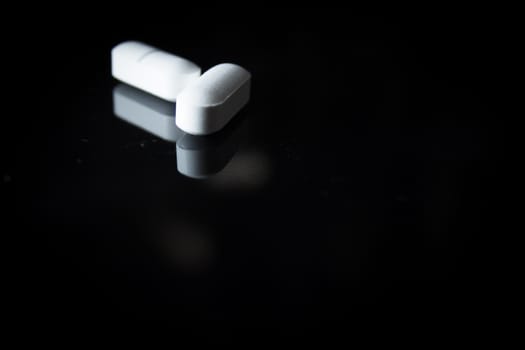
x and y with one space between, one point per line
371 145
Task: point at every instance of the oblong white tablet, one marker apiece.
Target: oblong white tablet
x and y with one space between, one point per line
208 104
152 70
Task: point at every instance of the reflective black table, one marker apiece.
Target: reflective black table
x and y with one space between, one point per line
349 193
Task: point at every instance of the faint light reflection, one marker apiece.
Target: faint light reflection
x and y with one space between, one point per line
248 170
187 246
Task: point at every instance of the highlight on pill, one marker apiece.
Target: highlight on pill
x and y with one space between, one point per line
152 70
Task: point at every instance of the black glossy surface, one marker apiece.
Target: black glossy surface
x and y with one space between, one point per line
357 192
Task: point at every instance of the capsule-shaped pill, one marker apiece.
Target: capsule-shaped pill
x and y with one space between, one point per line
157 72
207 104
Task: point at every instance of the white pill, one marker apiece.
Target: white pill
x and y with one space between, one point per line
206 105
146 111
152 70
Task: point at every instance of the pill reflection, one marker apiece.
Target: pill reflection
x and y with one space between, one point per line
146 111
197 156
213 157
200 157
